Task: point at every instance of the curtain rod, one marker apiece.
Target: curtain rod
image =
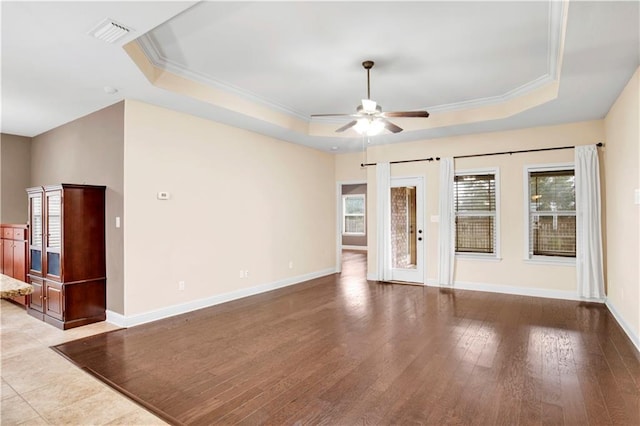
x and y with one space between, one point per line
599 144
519 152
402 161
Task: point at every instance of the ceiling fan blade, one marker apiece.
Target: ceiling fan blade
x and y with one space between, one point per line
418 114
347 126
392 127
333 115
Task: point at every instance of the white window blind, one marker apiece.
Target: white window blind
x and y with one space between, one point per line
36 221
54 237
475 208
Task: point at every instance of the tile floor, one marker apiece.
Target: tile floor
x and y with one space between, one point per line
41 387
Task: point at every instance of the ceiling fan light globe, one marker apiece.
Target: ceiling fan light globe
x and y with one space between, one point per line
375 127
362 126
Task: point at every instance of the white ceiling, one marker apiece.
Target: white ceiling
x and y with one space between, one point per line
305 57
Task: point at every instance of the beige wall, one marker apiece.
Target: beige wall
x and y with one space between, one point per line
348 167
15 171
622 173
89 150
239 201
511 270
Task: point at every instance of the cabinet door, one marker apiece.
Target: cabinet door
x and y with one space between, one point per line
53 237
7 257
36 298
54 300
35 233
19 260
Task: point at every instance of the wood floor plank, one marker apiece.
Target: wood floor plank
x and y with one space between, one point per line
341 350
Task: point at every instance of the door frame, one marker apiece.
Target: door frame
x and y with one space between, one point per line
420 273
339 185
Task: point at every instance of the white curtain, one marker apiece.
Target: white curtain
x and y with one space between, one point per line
447 229
383 225
588 224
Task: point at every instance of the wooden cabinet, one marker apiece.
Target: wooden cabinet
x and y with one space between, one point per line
67 254
13 254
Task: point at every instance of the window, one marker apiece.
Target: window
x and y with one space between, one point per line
353 214
552 212
475 209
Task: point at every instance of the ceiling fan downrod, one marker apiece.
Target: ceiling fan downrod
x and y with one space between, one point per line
368 65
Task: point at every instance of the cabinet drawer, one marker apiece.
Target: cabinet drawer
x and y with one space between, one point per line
18 234
13 234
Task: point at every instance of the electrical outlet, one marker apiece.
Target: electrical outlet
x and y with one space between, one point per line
291 264
241 273
246 273
181 285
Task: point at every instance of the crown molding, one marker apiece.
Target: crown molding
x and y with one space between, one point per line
153 54
558 11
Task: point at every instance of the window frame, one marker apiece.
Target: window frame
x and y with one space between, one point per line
496 255
344 214
529 256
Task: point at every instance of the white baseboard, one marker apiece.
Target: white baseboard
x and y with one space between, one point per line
519 291
169 311
625 326
359 248
116 318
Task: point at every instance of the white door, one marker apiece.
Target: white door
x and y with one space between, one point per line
407 232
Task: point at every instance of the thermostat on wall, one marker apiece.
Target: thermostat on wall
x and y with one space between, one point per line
163 195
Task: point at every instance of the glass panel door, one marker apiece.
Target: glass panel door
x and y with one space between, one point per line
54 232
407 236
35 232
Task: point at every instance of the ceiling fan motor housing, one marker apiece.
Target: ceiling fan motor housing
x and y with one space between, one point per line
360 109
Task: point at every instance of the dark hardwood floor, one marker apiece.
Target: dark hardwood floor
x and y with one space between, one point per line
340 350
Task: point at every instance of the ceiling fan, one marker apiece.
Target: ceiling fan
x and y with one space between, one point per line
369 117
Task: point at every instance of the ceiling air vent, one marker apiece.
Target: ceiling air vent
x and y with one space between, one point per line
109 30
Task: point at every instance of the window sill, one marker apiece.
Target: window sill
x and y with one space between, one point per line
480 257
549 260
353 234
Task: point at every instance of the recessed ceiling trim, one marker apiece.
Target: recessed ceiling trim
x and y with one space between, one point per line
494 100
556 29
555 50
153 55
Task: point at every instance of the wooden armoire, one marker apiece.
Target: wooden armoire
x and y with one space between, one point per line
67 265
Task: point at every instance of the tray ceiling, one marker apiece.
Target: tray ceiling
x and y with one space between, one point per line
267 66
